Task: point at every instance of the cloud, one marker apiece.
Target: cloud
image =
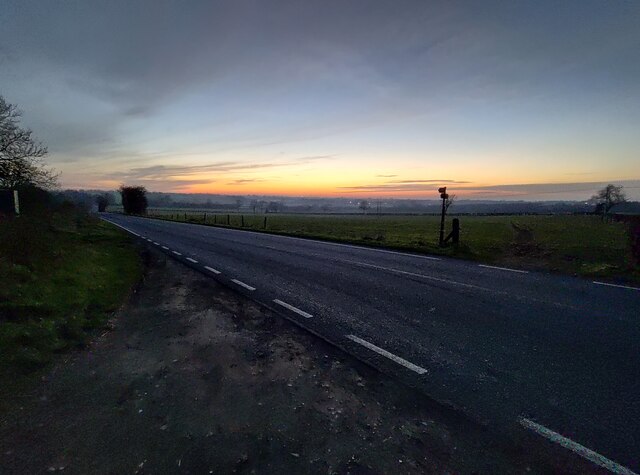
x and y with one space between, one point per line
244 181
426 181
400 186
537 191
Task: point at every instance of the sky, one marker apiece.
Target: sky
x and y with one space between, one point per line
534 100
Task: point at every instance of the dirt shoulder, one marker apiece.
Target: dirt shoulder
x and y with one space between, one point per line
196 379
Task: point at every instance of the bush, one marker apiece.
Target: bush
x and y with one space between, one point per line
134 199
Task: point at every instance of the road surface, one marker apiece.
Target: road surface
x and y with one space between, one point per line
554 355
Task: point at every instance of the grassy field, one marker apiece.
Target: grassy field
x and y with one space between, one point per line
61 276
580 245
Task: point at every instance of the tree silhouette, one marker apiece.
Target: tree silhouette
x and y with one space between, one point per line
607 198
134 199
20 154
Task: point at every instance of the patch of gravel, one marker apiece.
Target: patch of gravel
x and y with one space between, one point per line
194 378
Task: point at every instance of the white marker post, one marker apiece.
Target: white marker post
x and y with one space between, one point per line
16 202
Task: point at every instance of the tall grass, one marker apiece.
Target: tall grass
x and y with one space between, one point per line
61 275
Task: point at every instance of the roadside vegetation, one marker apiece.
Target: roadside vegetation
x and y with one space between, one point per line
573 244
62 271
62 275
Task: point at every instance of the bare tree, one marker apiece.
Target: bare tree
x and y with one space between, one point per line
448 202
364 205
607 198
20 154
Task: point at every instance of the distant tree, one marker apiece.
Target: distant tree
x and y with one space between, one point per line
239 202
364 205
607 198
273 207
20 154
134 199
103 201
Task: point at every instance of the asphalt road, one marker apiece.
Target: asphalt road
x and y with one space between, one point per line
554 355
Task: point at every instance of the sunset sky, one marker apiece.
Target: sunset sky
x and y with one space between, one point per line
505 99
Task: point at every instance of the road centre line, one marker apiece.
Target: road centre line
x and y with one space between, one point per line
293 309
423 276
192 260
165 248
176 253
385 353
211 269
575 447
242 284
156 243
616 285
504 268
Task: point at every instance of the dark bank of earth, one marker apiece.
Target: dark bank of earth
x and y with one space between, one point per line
196 379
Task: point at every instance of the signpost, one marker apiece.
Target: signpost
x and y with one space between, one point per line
444 196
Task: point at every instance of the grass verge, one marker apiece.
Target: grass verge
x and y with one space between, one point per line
577 245
61 276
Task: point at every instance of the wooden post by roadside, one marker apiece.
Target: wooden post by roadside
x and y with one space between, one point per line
228 220
454 235
242 220
264 226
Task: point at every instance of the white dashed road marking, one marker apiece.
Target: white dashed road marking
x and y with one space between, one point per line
293 309
615 285
192 260
242 284
211 269
581 450
504 268
176 253
165 248
385 353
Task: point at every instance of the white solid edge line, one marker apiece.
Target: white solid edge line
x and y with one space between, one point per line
122 227
616 285
176 253
293 309
211 269
504 268
165 248
391 356
242 284
192 260
581 450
